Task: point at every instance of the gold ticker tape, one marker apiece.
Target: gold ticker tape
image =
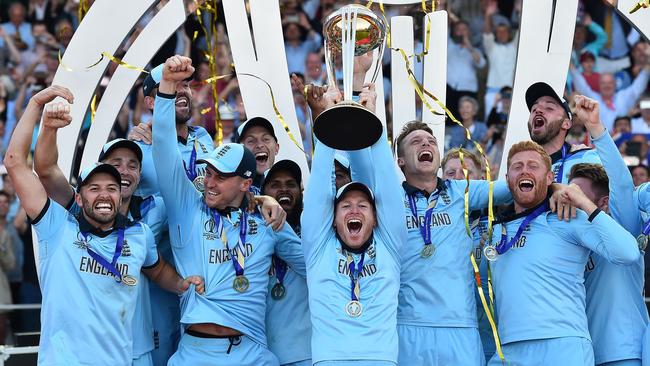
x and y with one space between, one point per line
488 313
93 104
641 4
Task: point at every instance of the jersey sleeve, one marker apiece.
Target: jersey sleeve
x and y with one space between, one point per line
318 208
151 258
156 217
176 189
604 236
388 195
289 248
361 166
479 193
622 204
48 226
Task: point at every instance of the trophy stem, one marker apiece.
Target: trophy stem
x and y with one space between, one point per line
348 41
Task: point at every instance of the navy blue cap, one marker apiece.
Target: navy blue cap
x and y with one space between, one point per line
95 168
120 143
255 121
541 89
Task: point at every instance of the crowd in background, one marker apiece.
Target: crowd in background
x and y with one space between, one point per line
609 63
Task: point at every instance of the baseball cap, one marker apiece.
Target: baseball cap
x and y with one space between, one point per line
342 161
153 79
120 143
255 121
288 166
541 89
354 186
95 168
231 160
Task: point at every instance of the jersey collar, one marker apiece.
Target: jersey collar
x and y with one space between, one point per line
410 190
509 213
86 227
557 156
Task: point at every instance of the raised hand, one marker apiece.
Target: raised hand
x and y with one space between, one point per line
368 97
56 115
177 68
142 133
48 94
588 112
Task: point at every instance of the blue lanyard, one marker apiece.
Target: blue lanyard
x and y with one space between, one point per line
646 227
425 231
354 275
560 171
111 267
243 227
504 244
191 171
280 267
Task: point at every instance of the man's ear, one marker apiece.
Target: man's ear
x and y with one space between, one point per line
78 200
246 184
400 162
149 102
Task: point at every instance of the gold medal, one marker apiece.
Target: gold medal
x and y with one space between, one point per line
642 241
129 280
427 251
199 183
240 283
354 309
278 291
490 252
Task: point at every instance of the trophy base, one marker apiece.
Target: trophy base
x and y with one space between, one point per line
348 126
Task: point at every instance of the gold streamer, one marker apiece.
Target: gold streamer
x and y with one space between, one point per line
490 315
641 4
92 109
277 111
119 62
82 10
64 66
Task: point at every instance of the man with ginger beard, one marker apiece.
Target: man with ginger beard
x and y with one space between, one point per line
351 240
212 232
288 326
548 125
538 264
436 317
98 253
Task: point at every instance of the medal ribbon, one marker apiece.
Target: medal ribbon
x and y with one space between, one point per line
280 267
191 171
504 244
646 228
111 267
489 312
560 171
238 259
355 271
424 229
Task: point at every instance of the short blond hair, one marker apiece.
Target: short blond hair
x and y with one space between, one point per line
455 154
529 146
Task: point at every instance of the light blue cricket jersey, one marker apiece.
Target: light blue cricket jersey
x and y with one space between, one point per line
479 235
288 322
538 283
584 155
197 136
439 291
151 211
86 314
335 335
198 249
616 311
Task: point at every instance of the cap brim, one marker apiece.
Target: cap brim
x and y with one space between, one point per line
218 167
102 168
127 144
254 122
354 186
541 89
284 165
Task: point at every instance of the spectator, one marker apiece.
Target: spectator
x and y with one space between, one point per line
18 28
613 56
639 58
8 52
612 103
635 151
587 63
468 107
580 45
7 264
500 46
315 72
462 62
640 174
45 12
641 124
622 129
299 40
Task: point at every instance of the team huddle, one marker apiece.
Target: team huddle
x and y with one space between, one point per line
241 268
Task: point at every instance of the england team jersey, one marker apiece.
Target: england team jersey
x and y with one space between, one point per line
199 249
372 335
439 291
616 311
198 140
538 283
568 156
86 314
